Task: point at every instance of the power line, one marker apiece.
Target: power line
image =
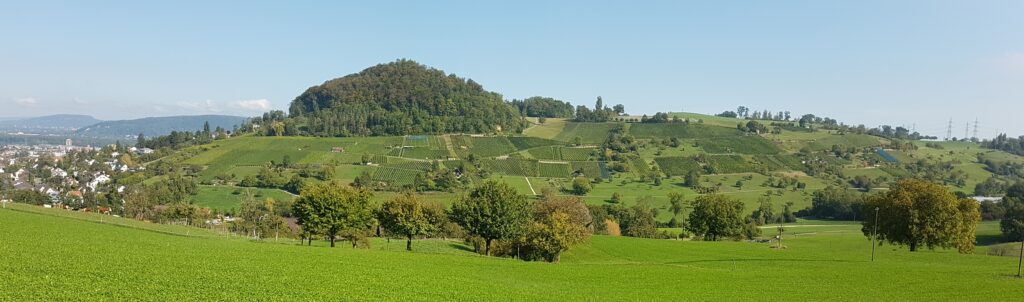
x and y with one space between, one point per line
975 137
949 129
967 126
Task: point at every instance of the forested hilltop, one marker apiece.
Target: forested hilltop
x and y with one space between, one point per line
398 98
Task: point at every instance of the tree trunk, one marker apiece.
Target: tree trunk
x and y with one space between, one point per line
558 257
332 241
408 244
913 246
487 247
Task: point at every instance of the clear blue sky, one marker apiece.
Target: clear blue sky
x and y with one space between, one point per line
896 62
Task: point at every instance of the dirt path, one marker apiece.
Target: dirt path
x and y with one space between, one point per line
530 184
448 145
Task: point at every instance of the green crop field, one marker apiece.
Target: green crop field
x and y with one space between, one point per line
546 153
516 167
395 177
745 144
135 263
526 142
549 129
589 133
679 130
482 146
728 164
590 169
677 166
225 197
846 140
779 162
557 170
223 157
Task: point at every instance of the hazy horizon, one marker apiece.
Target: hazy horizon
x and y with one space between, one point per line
916 64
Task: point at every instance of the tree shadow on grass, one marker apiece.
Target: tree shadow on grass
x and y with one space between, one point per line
462 247
765 260
988 239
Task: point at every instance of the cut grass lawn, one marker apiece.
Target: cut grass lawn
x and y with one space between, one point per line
74 257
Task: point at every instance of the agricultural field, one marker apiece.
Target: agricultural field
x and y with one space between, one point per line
482 146
227 156
219 267
744 144
227 197
677 166
779 162
561 153
681 131
589 133
549 129
555 170
548 158
590 169
395 177
729 164
515 167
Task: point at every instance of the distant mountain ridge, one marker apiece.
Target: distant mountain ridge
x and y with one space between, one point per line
57 121
155 126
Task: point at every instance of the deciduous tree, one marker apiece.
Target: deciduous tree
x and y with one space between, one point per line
492 210
716 216
917 212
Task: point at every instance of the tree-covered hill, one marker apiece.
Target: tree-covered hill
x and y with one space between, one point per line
398 98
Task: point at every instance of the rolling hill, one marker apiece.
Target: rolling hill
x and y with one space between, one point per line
52 122
155 126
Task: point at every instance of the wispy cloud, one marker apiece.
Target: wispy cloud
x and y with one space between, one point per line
230 107
26 102
80 101
201 106
252 105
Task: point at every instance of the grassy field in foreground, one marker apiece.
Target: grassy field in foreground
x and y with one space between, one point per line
66 257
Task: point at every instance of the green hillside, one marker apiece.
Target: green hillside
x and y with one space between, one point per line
47 253
546 157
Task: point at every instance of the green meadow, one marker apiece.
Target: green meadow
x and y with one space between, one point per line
53 255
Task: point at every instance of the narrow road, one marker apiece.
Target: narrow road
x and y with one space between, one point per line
529 184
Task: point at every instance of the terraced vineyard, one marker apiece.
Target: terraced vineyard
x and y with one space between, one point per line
562 153
745 144
555 170
395 177
677 165
409 165
577 154
779 162
516 167
526 142
590 169
482 146
730 164
419 153
546 153
640 166
589 133
682 131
